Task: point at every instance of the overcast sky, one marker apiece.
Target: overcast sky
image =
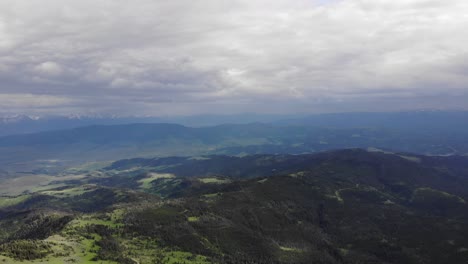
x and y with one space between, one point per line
159 57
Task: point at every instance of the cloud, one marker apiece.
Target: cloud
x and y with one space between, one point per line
149 57
48 68
18 101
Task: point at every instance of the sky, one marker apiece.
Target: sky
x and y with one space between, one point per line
184 57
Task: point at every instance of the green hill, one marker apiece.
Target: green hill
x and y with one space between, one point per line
348 206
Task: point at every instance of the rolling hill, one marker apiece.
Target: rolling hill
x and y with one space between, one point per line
346 206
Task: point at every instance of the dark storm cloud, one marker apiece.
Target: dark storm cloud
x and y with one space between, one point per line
180 57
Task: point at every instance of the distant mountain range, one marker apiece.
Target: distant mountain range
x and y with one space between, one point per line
434 120
431 134
22 124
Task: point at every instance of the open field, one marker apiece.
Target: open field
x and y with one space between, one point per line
22 183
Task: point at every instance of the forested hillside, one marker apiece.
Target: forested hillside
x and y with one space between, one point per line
349 206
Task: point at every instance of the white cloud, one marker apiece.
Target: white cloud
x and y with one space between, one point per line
331 55
49 68
6 41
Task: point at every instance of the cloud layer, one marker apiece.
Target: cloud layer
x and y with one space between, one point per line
182 57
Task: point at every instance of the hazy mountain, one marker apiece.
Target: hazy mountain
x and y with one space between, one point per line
101 143
416 121
22 124
404 121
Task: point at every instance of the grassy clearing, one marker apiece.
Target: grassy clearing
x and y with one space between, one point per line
110 220
193 218
174 257
24 183
11 201
338 196
213 180
65 250
89 166
425 191
297 174
148 251
116 215
146 182
372 149
411 158
84 249
34 183
212 195
70 192
291 249
89 220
